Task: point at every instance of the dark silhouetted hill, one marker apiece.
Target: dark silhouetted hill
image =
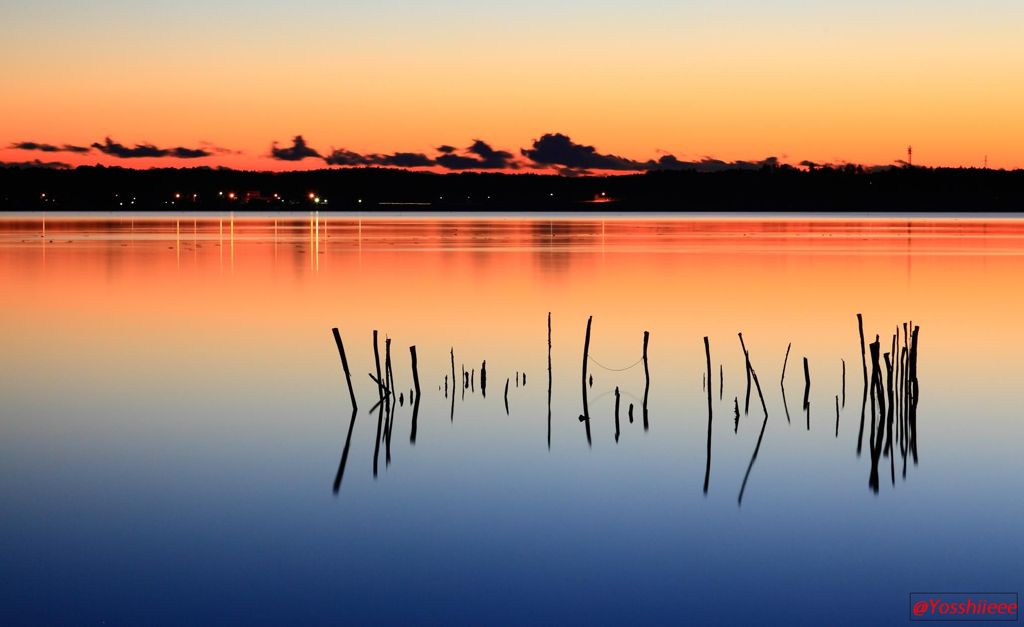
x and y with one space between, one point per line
771 188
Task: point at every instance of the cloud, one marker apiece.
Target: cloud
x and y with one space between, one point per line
121 151
710 164
571 159
298 151
214 148
405 160
396 160
49 147
551 152
480 156
347 157
35 163
556 149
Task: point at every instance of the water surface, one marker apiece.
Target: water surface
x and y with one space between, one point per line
174 416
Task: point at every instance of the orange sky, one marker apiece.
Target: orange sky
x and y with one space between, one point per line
827 82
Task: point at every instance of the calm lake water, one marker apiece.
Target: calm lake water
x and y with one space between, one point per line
174 415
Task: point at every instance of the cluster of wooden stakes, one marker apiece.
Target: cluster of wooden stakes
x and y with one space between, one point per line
893 397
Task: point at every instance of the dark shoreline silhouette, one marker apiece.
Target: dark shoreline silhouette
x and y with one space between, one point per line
770 188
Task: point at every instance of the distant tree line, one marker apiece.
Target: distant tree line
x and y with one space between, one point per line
770 188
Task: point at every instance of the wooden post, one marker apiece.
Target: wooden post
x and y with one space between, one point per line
707 467
785 361
389 374
837 415
864 366
616 413
586 356
807 393
913 391
376 359
746 359
352 422
647 378
844 381
416 397
889 416
549 380
752 374
782 382
344 366
415 371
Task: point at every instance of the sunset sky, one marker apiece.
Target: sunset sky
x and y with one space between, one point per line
217 82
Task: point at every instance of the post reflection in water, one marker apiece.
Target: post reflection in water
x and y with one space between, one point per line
174 412
884 402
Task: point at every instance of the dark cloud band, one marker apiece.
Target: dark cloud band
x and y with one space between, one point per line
49 147
552 151
298 151
138 151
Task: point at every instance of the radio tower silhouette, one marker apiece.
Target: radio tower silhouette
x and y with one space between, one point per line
910 155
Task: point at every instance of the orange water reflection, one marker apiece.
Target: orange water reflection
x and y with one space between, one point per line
190 287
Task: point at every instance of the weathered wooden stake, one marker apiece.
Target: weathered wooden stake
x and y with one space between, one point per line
549 380
837 415
344 366
864 366
746 359
376 359
707 467
586 356
616 413
782 382
807 393
389 374
647 379
352 422
415 398
844 381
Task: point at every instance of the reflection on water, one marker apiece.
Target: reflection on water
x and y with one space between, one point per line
901 398
514 414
